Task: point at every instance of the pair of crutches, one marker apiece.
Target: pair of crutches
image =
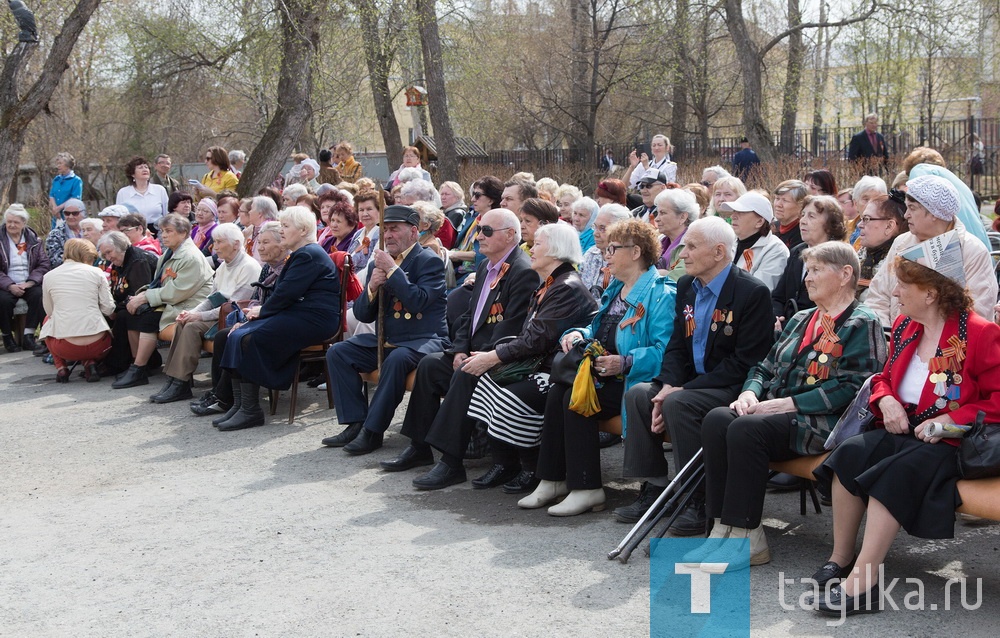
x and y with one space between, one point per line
674 498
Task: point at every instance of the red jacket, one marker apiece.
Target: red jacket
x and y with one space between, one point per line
980 386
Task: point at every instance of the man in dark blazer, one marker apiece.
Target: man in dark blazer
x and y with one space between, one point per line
497 309
868 144
414 316
724 325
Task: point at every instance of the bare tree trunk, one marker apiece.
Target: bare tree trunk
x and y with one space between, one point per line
17 111
793 79
679 109
379 53
579 13
300 21
444 136
752 67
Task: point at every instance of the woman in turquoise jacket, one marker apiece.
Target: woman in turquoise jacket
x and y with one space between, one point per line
633 325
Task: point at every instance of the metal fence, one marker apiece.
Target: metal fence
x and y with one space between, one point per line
812 147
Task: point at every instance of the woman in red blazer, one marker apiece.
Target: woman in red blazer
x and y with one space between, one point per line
944 366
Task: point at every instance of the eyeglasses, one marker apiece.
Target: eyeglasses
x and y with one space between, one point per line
706 184
650 185
867 219
488 231
127 229
613 248
72 213
477 195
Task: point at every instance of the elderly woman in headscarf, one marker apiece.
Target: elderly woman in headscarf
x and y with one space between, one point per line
232 282
23 264
932 206
206 217
925 161
308 172
584 214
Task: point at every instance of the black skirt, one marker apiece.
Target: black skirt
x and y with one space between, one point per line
916 481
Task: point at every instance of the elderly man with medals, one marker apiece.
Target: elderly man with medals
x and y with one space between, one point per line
413 326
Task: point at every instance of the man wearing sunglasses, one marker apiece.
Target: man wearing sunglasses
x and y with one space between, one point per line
650 186
496 309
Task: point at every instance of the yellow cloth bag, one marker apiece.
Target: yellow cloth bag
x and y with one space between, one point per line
583 399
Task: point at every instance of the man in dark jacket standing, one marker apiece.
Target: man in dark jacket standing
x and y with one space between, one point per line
869 147
724 325
744 160
497 309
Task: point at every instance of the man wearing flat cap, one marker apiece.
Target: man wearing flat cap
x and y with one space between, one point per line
414 326
932 205
650 185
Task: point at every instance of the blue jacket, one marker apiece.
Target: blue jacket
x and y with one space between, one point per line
646 340
415 316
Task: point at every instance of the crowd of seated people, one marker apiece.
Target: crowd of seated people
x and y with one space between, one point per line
737 323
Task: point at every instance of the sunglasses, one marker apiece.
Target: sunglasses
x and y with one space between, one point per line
477 195
72 213
645 186
706 184
488 231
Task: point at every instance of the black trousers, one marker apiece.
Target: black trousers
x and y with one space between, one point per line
737 450
433 380
223 387
571 447
683 412
451 427
33 297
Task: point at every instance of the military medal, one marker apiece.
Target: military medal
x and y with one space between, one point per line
688 320
397 307
728 330
825 352
945 371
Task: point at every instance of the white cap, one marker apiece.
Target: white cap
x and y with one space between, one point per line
750 203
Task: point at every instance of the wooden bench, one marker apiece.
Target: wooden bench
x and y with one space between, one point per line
371 378
980 497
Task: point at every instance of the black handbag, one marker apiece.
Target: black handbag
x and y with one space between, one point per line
504 374
566 364
979 452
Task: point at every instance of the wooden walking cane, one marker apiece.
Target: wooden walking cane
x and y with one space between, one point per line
381 290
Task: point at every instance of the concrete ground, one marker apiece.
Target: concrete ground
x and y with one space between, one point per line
121 518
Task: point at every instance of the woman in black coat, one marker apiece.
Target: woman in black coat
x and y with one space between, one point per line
303 309
131 269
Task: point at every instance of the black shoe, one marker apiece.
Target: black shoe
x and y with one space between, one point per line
212 408
837 603
350 433
495 477
409 458
206 399
243 419
230 413
91 373
41 349
177 391
692 521
782 482
825 497
648 494
831 571
524 483
440 477
365 442
28 342
608 439
62 375
133 377
316 381
10 344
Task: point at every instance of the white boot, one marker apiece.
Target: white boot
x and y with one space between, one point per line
546 492
697 555
580 501
734 556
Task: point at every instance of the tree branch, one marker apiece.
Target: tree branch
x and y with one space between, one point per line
814 25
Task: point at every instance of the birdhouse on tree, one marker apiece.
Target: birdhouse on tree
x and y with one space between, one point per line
416 96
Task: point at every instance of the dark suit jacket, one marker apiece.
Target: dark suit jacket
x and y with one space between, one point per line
728 358
512 294
861 147
415 300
